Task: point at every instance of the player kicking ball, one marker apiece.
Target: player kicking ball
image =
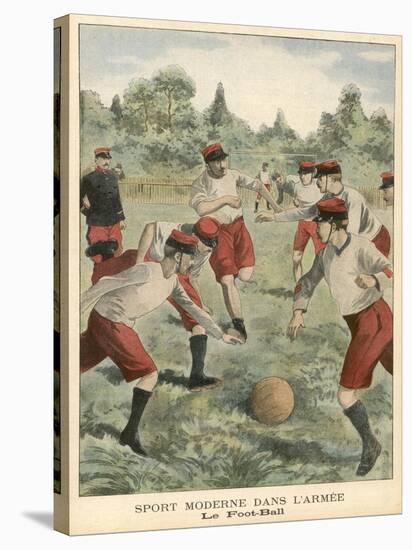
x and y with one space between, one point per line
118 301
356 273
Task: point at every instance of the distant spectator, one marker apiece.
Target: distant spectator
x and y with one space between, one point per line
119 171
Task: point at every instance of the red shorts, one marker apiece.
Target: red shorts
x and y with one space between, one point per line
371 331
234 249
114 265
103 338
307 230
188 322
268 187
382 241
104 233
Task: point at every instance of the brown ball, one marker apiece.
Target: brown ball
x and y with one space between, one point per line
272 400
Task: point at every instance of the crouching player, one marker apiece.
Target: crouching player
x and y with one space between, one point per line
356 273
118 301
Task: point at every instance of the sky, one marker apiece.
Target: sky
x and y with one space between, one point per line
302 77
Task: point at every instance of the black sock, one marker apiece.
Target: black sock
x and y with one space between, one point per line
358 415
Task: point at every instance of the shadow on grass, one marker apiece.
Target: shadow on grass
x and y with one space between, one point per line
169 376
281 292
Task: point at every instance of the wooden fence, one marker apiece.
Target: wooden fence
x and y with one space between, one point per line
149 190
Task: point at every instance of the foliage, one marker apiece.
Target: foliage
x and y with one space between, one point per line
156 130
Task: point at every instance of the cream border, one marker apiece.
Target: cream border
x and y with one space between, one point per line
75 515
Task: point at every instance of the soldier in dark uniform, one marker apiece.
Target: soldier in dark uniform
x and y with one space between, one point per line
100 203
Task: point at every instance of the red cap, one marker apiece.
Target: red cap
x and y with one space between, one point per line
328 167
331 209
388 180
182 242
213 152
306 166
103 151
207 227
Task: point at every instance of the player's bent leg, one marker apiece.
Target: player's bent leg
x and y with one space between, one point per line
231 297
148 381
141 395
346 397
198 380
297 264
246 273
356 412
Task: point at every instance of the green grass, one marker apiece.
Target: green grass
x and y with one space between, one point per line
209 439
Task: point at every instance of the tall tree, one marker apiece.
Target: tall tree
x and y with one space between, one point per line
139 105
176 86
116 109
218 114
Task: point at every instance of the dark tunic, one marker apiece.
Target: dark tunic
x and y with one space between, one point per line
102 190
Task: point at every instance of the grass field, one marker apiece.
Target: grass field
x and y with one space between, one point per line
209 439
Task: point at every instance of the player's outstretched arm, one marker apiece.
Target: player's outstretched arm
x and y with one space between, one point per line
268 197
295 324
265 217
228 339
145 241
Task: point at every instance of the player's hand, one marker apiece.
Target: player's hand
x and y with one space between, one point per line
365 281
295 324
86 203
123 225
233 201
228 339
265 217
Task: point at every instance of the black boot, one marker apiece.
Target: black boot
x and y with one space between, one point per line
256 206
130 435
198 380
105 248
239 325
371 448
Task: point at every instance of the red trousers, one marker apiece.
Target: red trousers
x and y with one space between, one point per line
104 338
104 233
307 229
234 249
382 241
371 342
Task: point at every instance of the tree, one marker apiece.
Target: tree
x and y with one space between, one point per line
218 114
177 87
116 109
139 105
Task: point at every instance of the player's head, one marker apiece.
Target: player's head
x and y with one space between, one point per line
328 174
387 187
206 230
181 248
306 171
215 159
277 178
102 157
332 217
265 166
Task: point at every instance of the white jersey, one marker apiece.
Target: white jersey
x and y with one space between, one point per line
340 268
206 188
135 292
157 248
362 220
264 177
